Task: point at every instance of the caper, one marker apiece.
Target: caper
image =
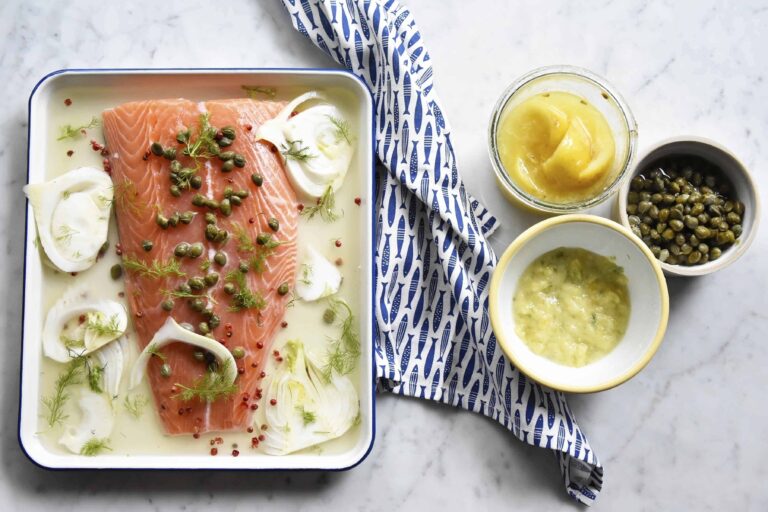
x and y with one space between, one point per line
116 271
243 267
242 194
715 210
208 313
176 166
211 231
203 328
686 249
636 231
230 289
228 132
187 217
329 316
264 238
195 250
668 199
225 142
165 370
715 253
210 218
182 137
668 234
676 225
162 221
283 289
679 239
169 153
737 230
663 255
198 200
239 160
674 249
197 305
273 224
257 179
728 206
220 258
214 321
184 288
656 198
196 182
697 208
226 155
733 218
175 191
738 208
661 227
214 148
196 283
691 222
212 204
694 257
211 279
634 220
702 232
643 206
167 305
147 245
703 248
693 240
174 219
221 235
227 166
725 237
663 215
636 184
631 209
235 200
226 207
676 214
156 148
238 352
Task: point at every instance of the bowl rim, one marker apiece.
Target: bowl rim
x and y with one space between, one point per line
744 242
533 232
507 183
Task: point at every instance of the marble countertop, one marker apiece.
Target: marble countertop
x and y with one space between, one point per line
685 434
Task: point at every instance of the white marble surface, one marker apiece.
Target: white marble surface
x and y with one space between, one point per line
686 434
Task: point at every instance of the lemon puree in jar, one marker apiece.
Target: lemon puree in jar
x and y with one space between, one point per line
556 147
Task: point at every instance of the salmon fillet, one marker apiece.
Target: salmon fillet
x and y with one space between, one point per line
142 186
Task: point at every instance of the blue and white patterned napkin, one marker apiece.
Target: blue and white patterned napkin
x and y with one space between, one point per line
433 262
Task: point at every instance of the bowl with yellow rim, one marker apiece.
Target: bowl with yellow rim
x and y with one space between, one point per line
646 292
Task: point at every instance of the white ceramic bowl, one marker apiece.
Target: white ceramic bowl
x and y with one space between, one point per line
732 168
647 290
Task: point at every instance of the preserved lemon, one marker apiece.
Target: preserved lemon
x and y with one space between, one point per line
557 147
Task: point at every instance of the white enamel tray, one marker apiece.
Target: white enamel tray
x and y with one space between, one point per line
118 86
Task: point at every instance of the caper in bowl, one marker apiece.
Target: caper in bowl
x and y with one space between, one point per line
692 203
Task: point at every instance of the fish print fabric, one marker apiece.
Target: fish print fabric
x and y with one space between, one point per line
433 263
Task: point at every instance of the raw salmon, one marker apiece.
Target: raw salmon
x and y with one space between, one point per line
142 190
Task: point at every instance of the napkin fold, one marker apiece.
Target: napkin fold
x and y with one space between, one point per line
433 263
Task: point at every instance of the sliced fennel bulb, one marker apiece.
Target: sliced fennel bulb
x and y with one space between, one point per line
309 409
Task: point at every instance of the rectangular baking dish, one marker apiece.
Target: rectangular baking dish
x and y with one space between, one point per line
123 85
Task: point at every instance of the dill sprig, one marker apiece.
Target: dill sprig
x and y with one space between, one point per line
135 405
153 350
94 446
294 149
205 265
180 294
156 270
306 272
65 234
209 388
102 327
342 130
344 350
55 403
244 242
125 196
199 145
325 207
254 90
70 132
306 416
71 343
243 298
